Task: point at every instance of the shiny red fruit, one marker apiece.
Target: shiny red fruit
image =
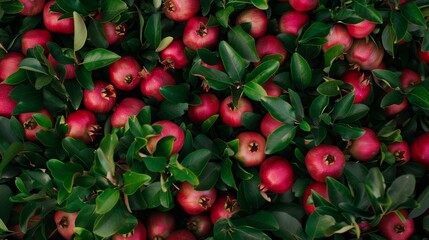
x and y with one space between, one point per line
200 225
9 64
420 150
7 104
304 5
83 125
127 107
269 124
124 73
183 234
224 207
268 45
35 37
291 22
276 175
65 223
101 99
307 202
153 81
338 35
360 82
53 22
114 33
169 128
32 7
409 78
392 227
400 150
208 107
365 55
251 149
361 29
160 225
174 55
194 201
366 147
258 21
198 35
179 10
325 161
70 68
230 114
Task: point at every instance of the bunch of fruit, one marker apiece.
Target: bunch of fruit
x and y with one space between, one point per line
214 119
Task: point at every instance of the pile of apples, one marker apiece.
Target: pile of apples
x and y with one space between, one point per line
181 105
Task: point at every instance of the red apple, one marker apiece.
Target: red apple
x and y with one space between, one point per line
251 149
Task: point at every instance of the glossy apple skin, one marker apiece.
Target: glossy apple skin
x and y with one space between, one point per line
276 175
32 7
361 84
304 5
180 11
35 37
320 188
70 68
174 55
258 20
291 22
269 124
423 55
114 33
153 81
9 64
325 161
409 78
392 227
224 207
138 233
200 225
54 24
400 150
268 45
420 150
126 108
101 99
7 104
231 115
366 147
338 35
160 225
194 201
83 125
169 128
196 35
365 55
361 29
124 73
208 107
251 149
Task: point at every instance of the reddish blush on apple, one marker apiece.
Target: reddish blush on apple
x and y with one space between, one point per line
251 149
194 201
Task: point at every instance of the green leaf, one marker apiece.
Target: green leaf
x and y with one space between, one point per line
80 32
171 110
393 97
356 112
165 42
331 54
84 77
113 221
337 192
197 160
397 21
262 220
216 79
423 201
243 43
222 15
279 109
419 96
389 77
261 4
32 64
98 58
413 14
330 88
152 32
234 64
133 181
179 93
111 9
347 132
280 138
318 225
12 7
401 190
301 71
226 173
317 107
42 120
96 34
11 151
16 78
107 200
343 106
263 72
296 102
314 31
182 173
64 172
289 226
367 12
254 91
209 176
388 39
5 192
155 164
374 182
